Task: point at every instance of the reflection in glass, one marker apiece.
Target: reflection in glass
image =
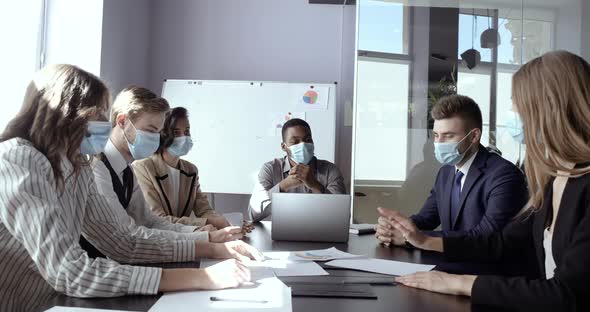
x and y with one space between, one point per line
382 27
382 120
406 49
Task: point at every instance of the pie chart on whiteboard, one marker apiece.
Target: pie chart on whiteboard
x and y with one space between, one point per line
310 97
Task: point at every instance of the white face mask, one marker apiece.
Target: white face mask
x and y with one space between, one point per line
145 143
181 146
515 127
97 137
302 153
447 153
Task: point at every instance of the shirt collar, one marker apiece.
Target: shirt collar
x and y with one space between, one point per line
115 157
286 164
465 168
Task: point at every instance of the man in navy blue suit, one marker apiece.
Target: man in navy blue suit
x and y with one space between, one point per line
476 192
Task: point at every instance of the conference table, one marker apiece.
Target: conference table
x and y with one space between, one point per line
390 297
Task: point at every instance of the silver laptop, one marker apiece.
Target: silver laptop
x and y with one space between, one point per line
310 217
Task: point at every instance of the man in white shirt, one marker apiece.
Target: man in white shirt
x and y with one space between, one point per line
137 207
137 117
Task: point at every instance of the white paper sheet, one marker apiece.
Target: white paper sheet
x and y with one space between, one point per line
269 295
260 273
389 267
281 266
291 268
312 98
312 255
74 309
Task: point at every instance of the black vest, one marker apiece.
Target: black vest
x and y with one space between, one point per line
123 190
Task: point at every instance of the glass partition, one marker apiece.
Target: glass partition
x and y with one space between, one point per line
409 54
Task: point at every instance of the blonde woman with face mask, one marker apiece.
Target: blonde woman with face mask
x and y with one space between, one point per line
552 96
46 189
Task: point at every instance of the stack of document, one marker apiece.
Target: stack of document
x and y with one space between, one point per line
321 255
278 264
299 263
290 268
303 263
310 255
267 292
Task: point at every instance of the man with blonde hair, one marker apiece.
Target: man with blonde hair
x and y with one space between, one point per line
137 116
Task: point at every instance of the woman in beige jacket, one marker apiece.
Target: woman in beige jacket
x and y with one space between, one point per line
170 184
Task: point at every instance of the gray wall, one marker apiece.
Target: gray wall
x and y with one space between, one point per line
145 42
125 43
569 25
288 40
586 30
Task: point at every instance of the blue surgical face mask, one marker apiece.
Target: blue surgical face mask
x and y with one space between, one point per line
515 127
181 146
97 137
302 153
145 143
447 153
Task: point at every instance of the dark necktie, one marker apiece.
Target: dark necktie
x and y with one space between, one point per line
128 182
123 190
456 196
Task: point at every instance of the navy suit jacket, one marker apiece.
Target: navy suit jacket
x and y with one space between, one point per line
493 193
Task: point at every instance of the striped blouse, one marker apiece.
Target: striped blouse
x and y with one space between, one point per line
39 233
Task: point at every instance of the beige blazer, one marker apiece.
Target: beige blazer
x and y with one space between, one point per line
153 177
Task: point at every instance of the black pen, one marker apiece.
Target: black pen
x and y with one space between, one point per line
237 300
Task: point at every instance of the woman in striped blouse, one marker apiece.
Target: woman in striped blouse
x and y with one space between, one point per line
46 186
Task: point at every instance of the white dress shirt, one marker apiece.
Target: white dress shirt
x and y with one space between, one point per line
549 260
175 182
465 169
40 227
138 219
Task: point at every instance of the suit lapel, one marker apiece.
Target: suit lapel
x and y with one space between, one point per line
163 181
475 171
186 186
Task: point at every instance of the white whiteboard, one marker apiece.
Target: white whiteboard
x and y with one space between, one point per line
235 126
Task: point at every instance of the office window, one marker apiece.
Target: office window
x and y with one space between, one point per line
381 27
511 150
74 33
537 37
477 86
383 70
382 120
468 23
406 49
21 31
